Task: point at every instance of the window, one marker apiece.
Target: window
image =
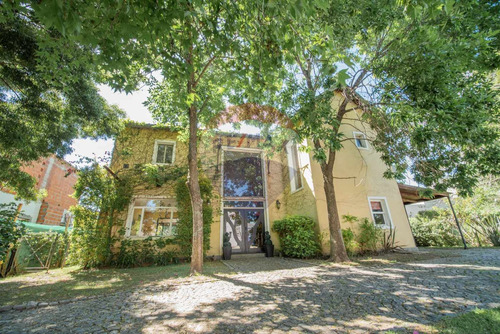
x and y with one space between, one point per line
294 166
152 217
243 175
380 212
360 140
164 152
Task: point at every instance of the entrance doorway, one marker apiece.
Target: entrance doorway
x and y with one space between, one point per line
243 197
246 229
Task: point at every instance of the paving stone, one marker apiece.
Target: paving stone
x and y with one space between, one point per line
277 295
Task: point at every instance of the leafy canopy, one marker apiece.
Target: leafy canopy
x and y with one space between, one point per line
47 96
419 74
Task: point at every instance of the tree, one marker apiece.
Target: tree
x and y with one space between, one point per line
47 97
416 73
196 46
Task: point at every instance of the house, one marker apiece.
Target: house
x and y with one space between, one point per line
58 178
252 189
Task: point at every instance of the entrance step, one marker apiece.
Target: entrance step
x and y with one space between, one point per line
247 256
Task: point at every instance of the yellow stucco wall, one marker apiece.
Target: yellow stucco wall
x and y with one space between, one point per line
362 170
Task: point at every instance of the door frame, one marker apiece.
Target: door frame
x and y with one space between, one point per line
264 174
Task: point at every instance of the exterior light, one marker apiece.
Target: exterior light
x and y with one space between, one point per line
278 204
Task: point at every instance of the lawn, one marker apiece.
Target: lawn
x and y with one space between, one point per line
476 322
72 282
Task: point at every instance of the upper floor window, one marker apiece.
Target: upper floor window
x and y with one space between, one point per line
152 217
164 152
360 140
294 166
380 211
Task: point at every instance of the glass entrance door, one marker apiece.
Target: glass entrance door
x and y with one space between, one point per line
245 228
243 199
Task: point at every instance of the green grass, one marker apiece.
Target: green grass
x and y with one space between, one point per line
72 282
477 322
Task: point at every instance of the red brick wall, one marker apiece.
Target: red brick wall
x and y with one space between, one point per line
59 188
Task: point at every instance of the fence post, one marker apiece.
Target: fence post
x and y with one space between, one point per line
50 252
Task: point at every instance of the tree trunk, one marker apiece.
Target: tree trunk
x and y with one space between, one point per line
338 252
194 191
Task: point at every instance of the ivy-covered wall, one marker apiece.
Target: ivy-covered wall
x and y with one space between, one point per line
134 148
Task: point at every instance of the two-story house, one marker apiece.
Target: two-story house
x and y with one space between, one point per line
254 189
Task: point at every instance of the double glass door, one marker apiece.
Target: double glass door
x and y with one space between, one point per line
245 228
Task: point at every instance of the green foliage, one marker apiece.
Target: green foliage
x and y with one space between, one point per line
298 237
351 245
47 96
150 251
184 231
101 198
435 228
368 236
10 230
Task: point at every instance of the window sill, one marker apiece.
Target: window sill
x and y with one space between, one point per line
296 190
135 237
163 164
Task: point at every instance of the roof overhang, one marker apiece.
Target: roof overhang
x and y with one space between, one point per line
412 194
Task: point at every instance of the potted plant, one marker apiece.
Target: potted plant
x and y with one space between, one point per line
226 247
268 245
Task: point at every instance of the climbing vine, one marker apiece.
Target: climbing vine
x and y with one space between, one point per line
185 223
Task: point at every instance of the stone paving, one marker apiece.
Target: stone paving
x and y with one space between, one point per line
277 295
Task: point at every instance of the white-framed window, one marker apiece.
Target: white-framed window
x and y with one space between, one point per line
292 151
360 140
164 152
151 217
380 211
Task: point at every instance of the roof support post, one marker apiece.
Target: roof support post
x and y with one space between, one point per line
456 221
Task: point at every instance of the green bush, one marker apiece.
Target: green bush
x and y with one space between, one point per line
368 236
298 237
184 231
137 253
351 245
435 228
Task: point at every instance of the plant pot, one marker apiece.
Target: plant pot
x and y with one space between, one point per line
226 253
269 250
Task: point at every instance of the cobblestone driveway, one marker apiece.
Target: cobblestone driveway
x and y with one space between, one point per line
290 296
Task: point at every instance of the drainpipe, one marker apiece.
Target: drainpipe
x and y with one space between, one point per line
456 221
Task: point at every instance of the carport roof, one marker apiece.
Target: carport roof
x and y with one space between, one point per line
411 194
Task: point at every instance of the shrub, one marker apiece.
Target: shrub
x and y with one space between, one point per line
10 231
435 228
298 237
368 236
135 253
184 231
351 245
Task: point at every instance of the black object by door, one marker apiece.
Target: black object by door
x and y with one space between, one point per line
246 229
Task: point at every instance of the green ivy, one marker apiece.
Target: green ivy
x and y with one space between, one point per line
10 231
298 237
101 197
184 230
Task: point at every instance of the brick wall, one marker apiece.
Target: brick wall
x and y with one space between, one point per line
59 180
